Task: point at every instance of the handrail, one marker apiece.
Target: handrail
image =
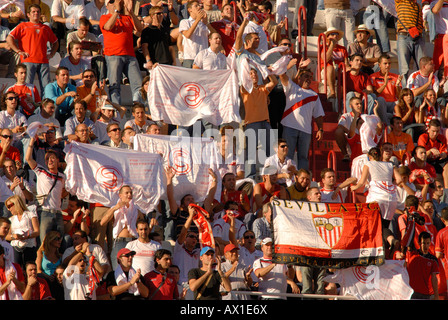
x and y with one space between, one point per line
366 103
406 159
320 48
302 18
331 160
342 75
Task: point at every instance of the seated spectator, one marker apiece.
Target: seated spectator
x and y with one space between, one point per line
345 123
37 288
439 196
11 118
332 192
56 283
62 92
402 142
114 133
269 188
230 193
262 226
369 50
75 63
124 282
80 110
334 55
386 85
7 56
411 116
11 277
48 254
431 108
76 218
64 15
285 165
127 138
302 182
91 91
211 58
7 150
140 121
156 39
18 185
12 15
28 94
436 148
421 171
93 11
82 34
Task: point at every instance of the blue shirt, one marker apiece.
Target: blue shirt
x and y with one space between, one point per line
53 91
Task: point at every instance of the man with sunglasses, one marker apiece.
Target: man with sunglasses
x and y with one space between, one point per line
285 165
7 150
91 90
11 117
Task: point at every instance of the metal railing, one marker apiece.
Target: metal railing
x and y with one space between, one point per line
342 89
321 54
302 36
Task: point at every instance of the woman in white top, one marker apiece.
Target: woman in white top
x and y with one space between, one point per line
382 189
24 230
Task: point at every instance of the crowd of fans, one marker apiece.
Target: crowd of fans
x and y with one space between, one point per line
55 246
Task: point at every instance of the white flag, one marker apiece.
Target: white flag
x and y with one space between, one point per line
189 157
389 281
181 96
96 173
281 9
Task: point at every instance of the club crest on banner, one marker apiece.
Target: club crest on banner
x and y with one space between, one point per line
329 227
109 178
192 94
181 161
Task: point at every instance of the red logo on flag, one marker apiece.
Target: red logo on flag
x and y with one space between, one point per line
330 227
180 159
109 178
192 94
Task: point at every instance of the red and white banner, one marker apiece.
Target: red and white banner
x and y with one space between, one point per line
95 174
189 157
328 235
206 238
181 96
389 281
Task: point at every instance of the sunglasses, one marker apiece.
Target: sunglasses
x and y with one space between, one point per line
286 44
116 129
12 98
6 136
158 13
249 237
284 146
9 206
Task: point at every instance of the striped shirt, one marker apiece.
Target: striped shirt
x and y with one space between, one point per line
410 15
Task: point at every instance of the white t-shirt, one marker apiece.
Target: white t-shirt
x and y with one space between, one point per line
301 106
76 285
8 121
281 167
198 40
185 261
96 250
440 19
144 254
208 60
39 118
221 229
45 181
73 10
274 281
327 194
417 80
23 226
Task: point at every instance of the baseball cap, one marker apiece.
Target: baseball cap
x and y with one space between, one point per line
268 170
230 247
108 107
205 250
125 252
266 241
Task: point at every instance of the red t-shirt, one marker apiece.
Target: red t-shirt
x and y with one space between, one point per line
33 38
266 196
356 83
119 40
439 144
339 55
24 90
13 153
41 290
77 225
236 196
442 247
228 33
355 146
390 92
168 291
420 270
428 168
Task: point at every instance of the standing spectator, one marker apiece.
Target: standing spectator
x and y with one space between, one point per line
48 254
262 226
23 232
93 11
441 246
401 141
206 281
273 277
76 218
30 40
114 133
422 172
156 39
75 63
140 123
161 284
50 190
124 216
62 92
226 27
7 56
29 96
124 282
56 283
339 15
302 105
47 143
230 193
5 225
7 150
144 248
11 278
423 268
211 58
440 53
195 31
439 196
117 28
90 91
285 165
411 42
221 225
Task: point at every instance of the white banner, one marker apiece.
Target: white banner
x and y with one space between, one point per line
96 173
181 96
389 281
189 157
